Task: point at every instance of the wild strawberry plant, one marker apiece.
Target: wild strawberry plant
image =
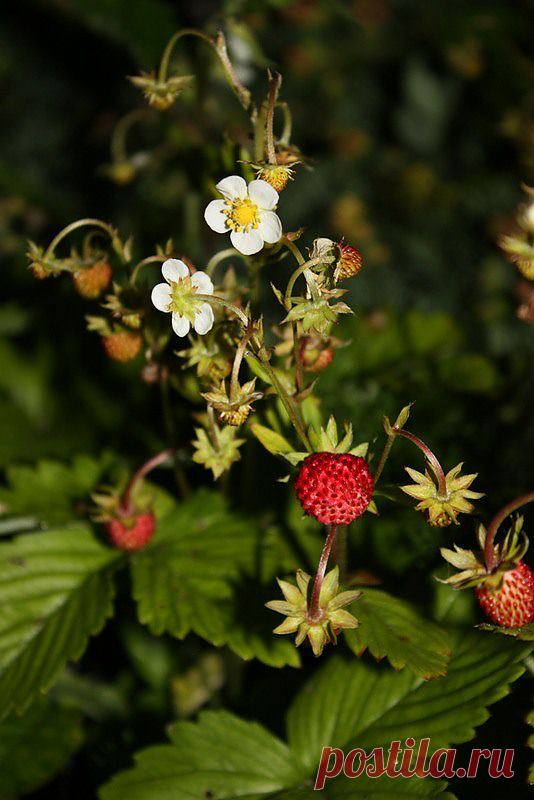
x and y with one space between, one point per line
243 344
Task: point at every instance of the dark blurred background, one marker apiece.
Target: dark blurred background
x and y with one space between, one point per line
416 120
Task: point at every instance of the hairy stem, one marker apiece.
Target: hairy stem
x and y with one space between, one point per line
219 301
496 522
315 611
166 57
430 457
118 137
274 88
138 267
238 358
148 466
384 457
80 223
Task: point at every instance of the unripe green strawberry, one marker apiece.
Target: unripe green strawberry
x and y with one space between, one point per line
132 536
512 603
122 346
90 282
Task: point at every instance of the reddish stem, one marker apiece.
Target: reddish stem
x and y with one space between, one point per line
315 612
430 457
148 466
496 522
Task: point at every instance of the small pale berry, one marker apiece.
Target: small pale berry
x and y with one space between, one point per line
122 346
90 282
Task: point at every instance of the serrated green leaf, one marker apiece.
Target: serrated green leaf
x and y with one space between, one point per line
220 756
210 571
56 591
35 747
49 490
272 441
525 634
392 628
352 704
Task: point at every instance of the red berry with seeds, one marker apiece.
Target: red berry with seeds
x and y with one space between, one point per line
335 488
134 536
511 604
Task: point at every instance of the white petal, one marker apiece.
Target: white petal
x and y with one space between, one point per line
202 282
215 217
161 296
263 194
232 187
247 243
173 269
203 319
270 227
180 325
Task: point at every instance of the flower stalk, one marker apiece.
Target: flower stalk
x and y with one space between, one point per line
315 612
430 457
126 505
496 522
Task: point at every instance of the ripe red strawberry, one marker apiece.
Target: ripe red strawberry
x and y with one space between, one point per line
122 346
92 281
133 537
511 605
335 488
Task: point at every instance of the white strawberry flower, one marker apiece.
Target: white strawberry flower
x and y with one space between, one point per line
178 297
247 212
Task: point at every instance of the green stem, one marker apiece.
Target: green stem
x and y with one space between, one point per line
303 267
118 137
259 134
138 267
215 260
274 88
219 301
213 429
285 138
80 223
314 614
289 406
384 457
242 94
166 57
496 522
240 352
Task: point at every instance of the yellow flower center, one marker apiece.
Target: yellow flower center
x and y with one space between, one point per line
242 215
182 298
